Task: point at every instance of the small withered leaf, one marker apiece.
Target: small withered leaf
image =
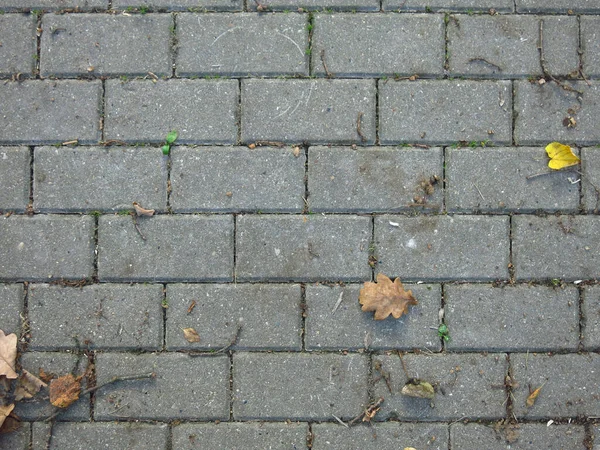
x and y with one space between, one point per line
8 355
385 297
142 211
418 388
65 390
5 410
191 335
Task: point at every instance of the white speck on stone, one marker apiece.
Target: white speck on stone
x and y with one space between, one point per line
411 243
394 224
4 156
277 251
21 246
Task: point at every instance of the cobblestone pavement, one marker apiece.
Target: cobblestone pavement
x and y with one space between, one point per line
321 142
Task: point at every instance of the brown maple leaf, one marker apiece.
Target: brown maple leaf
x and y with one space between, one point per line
8 355
385 297
65 390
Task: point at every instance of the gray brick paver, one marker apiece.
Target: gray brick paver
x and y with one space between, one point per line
436 248
17 440
18 44
236 179
81 44
503 6
445 111
541 110
313 111
349 328
557 6
371 179
100 316
185 387
494 180
98 179
45 247
506 46
143 110
181 5
242 44
590 43
47 112
176 248
564 247
302 248
358 45
324 384
250 436
14 173
462 383
590 167
521 318
11 299
591 314
52 5
269 314
571 385
312 5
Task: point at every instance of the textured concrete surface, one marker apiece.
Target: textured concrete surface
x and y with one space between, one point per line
320 143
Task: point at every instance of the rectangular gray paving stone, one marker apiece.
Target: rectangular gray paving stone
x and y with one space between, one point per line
52 5
176 248
448 5
590 183
590 43
495 180
523 436
462 383
19 44
269 315
437 248
596 437
82 44
520 318
100 316
359 45
373 179
313 111
302 248
17 440
541 110
185 387
506 46
560 6
39 408
564 247
181 5
11 299
145 111
348 327
298 386
236 179
591 314
99 436
570 385
317 5
445 111
14 173
84 179
389 436
242 44
45 247
47 112
249 436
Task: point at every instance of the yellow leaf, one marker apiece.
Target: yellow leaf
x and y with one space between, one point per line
533 396
191 335
560 155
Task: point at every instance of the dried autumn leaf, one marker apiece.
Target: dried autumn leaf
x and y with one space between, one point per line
142 211
11 423
385 297
533 396
561 156
5 410
46 377
8 354
418 388
27 386
65 390
191 335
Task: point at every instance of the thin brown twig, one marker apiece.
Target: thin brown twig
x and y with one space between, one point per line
363 138
327 72
233 340
403 365
368 413
137 227
545 70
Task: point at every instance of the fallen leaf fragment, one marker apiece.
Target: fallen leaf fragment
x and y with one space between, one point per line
5 410
418 388
533 396
409 448
385 297
191 335
8 354
142 211
65 390
46 377
11 423
191 307
561 156
296 151
27 386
